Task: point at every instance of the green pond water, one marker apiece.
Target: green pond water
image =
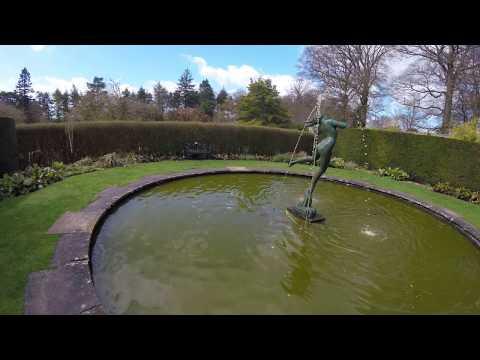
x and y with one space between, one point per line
223 244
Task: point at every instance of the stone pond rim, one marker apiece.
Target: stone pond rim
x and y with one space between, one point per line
67 286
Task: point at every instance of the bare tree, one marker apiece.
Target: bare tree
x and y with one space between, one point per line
435 74
467 100
417 110
331 70
369 63
115 88
300 100
351 73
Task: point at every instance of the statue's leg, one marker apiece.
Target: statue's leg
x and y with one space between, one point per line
304 160
322 163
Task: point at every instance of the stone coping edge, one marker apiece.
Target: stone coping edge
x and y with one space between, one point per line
67 288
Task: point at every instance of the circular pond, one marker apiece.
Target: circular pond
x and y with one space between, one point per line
223 244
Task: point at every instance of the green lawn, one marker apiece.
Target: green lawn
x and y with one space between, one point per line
24 221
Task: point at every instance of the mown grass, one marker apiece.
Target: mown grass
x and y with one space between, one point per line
25 247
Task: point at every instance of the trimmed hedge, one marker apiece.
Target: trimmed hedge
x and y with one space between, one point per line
426 158
45 143
8 146
429 159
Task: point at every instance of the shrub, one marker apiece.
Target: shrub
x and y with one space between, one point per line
286 157
351 165
466 132
395 173
282 157
461 192
31 179
109 161
337 162
475 198
444 188
36 177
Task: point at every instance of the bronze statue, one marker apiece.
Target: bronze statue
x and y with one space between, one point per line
321 155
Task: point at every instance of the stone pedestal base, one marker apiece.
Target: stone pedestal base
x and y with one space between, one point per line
306 213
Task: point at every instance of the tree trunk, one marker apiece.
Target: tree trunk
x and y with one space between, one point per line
447 112
476 106
345 114
362 118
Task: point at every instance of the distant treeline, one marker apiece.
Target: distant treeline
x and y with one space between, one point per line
432 88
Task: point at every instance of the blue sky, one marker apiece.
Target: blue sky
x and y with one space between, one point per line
231 67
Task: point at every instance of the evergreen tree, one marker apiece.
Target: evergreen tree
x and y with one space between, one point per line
97 87
262 104
65 102
46 105
161 97
23 90
186 90
206 98
74 97
58 101
148 98
126 93
222 96
142 95
175 100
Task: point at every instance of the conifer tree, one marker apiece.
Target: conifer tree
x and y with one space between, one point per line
161 97
186 90
58 101
74 97
46 105
142 95
24 90
222 96
262 104
97 87
206 98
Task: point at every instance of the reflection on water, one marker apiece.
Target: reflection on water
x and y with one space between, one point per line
224 244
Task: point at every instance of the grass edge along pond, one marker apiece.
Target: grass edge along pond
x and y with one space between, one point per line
26 247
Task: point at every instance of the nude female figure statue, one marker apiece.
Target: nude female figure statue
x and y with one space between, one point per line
322 154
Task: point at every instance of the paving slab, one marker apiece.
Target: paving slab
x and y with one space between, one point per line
67 290
71 247
72 222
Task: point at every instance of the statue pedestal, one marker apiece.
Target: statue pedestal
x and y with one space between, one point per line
306 213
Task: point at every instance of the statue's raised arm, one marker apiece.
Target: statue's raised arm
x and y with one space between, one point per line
340 124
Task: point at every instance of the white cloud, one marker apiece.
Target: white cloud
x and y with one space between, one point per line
171 86
50 83
399 65
149 84
239 76
128 86
38 48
